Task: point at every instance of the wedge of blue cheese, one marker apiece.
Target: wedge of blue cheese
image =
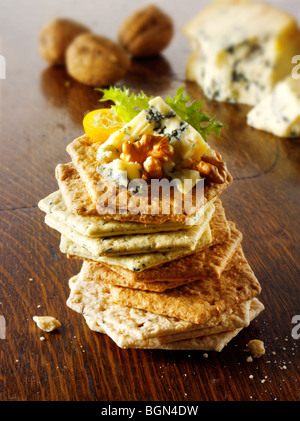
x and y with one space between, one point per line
120 172
159 120
279 112
240 49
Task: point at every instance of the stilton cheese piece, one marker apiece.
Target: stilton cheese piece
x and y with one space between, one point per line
240 49
279 112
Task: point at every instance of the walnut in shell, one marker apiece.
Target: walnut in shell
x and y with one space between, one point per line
55 38
96 61
146 32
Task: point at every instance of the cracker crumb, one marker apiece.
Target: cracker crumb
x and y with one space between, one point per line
284 367
251 376
46 323
256 347
205 355
249 359
42 338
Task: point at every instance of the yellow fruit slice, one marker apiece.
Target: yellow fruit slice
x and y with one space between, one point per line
100 124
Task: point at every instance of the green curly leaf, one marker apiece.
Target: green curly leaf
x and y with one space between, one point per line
128 106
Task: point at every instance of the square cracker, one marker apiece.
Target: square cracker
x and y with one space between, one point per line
200 300
134 262
134 243
167 276
130 327
73 190
210 339
99 273
78 202
217 232
83 152
209 262
211 342
94 226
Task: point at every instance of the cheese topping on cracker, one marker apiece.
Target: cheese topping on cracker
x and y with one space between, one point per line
158 120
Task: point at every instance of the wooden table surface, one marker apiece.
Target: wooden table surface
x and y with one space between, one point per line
40 115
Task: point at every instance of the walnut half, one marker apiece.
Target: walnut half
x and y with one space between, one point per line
211 167
151 152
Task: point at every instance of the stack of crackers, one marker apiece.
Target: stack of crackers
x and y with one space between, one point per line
151 282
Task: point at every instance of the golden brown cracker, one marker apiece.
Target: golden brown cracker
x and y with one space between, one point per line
98 272
129 327
199 300
210 342
210 262
73 190
166 276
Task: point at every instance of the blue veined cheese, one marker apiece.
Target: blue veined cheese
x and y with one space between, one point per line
184 179
186 141
120 172
279 112
241 49
159 120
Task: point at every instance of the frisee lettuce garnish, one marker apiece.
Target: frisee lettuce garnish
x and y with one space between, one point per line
128 106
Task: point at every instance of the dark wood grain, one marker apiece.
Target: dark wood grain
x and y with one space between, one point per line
40 115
